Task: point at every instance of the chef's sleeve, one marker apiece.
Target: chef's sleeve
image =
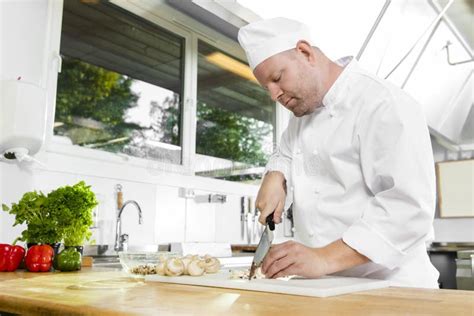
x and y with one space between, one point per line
282 157
398 169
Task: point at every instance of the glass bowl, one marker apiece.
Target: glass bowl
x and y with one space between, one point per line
130 261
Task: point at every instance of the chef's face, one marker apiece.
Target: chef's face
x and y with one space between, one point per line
292 78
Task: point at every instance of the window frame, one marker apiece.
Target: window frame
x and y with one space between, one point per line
162 15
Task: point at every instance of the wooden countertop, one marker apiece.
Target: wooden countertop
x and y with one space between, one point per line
100 291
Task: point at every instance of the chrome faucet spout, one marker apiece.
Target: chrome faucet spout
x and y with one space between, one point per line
121 240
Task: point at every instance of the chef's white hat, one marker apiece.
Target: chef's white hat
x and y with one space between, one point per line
265 38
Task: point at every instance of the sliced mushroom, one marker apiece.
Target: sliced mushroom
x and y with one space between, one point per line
196 267
186 260
212 264
160 268
174 267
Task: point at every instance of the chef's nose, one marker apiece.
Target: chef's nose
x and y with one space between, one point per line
275 91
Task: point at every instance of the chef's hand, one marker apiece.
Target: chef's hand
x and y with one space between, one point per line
292 258
271 196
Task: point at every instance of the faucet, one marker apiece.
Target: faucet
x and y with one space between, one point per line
121 241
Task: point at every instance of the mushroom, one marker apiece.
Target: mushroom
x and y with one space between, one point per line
160 267
186 260
196 267
212 264
174 267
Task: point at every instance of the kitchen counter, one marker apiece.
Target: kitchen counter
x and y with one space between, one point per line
100 291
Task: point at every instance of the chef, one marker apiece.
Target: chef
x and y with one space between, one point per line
355 160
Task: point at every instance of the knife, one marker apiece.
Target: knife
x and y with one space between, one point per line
242 216
249 224
263 245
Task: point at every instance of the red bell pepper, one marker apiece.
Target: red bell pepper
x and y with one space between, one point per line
39 258
10 257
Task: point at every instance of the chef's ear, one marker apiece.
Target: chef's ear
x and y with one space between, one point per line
305 48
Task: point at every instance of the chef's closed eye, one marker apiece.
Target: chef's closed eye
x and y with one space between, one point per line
277 79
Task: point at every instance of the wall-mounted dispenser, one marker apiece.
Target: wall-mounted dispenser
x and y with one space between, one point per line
22 120
27 59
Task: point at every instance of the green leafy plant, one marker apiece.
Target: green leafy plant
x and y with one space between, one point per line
74 204
41 222
65 213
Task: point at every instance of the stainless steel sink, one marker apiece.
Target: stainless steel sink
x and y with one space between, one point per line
110 261
108 250
110 265
106 257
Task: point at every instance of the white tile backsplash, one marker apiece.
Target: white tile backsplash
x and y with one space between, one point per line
47 181
228 224
200 220
14 182
454 229
170 215
167 217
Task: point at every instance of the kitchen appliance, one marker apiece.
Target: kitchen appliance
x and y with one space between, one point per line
27 63
23 119
465 270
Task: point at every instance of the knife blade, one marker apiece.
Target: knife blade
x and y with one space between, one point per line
263 245
242 216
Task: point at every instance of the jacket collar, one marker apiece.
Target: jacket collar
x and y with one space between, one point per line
333 100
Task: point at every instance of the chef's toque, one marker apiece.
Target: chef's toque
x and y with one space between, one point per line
265 38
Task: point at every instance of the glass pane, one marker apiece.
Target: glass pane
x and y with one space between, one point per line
235 118
120 87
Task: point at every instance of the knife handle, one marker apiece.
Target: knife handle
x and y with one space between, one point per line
270 222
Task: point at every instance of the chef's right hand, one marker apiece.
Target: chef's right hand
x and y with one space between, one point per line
271 196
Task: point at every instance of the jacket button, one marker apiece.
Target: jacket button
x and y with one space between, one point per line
315 152
298 151
311 234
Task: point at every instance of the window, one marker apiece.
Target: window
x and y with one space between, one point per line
121 85
235 118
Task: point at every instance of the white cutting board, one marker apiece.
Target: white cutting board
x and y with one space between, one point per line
321 287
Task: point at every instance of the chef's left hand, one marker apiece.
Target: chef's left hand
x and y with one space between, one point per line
292 258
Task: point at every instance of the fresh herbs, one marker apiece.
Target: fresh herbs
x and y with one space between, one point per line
41 222
74 204
65 213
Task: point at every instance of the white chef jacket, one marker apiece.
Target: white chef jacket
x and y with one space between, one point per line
361 168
